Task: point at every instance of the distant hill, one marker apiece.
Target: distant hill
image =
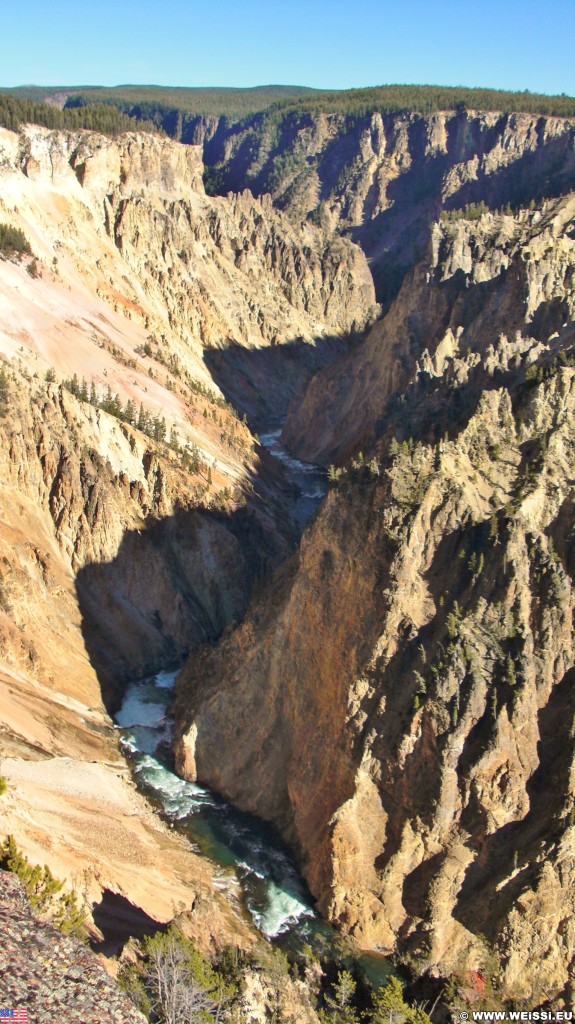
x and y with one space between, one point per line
226 102
161 104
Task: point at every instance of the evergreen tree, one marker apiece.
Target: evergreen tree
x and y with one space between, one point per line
129 412
3 387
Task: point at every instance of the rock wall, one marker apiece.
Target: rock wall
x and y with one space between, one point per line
482 280
138 274
399 698
125 224
383 177
114 562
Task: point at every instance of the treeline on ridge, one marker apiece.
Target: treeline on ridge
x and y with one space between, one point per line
175 110
103 118
239 105
427 99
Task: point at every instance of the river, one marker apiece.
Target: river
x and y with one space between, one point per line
309 481
244 855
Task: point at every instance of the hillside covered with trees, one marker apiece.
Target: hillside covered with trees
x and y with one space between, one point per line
99 117
173 109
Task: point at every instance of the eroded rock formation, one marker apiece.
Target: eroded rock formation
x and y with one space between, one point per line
399 700
383 177
128 522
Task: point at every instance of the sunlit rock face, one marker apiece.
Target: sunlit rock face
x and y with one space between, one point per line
399 699
383 177
126 539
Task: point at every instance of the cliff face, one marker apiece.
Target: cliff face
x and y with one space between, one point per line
111 563
399 699
483 280
137 273
384 177
113 553
130 528
125 226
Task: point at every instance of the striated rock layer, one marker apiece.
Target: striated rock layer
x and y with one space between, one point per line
130 526
383 176
399 698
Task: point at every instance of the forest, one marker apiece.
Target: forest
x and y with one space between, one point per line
174 110
97 117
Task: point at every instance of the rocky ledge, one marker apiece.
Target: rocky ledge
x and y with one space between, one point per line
50 974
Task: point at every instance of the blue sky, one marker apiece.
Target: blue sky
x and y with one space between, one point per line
323 43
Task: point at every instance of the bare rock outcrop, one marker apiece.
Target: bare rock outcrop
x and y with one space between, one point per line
483 281
127 221
115 560
49 974
399 699
137 274
384 176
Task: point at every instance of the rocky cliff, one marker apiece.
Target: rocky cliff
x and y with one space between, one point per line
131 526
153 263
136 275
382 178
399 700
485 279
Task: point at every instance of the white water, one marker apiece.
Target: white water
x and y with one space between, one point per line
310 480
243 852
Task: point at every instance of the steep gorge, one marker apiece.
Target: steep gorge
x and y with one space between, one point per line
137 277
399 698
137 508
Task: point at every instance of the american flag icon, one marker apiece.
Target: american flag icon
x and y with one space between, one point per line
19 1015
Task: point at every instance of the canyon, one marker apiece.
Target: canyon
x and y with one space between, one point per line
393 689
120 551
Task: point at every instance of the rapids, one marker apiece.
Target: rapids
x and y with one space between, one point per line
245 856
244 853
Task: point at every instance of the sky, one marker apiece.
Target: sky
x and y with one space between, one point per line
329 44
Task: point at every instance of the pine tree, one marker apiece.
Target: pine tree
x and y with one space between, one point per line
389 1001
39 882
